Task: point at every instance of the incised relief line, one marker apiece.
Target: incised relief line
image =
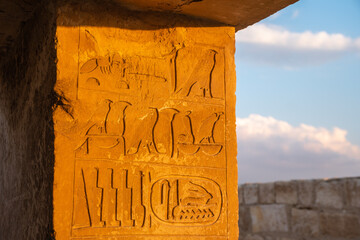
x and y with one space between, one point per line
109 65
191 73
199 82
115 72
120 197
121 129
107 197
195 75
103 134
141 106
203 140
186 200
111 73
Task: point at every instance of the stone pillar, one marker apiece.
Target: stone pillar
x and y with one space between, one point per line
27 78
145 140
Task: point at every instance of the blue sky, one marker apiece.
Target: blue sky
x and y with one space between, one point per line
298 93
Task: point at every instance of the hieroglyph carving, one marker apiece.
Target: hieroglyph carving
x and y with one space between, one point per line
125 197
165 109
199 73
114 73
108 197
201 87
118 129
138 108
186 200
188 73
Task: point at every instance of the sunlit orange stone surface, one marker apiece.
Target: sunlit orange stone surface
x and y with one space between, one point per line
145 144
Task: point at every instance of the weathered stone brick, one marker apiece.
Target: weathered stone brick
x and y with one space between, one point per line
269 218
305 222
340 225
266 193
353 192
286 192
305 193
244 219
250 192
240 195
274 236
253 237
279 238
329 194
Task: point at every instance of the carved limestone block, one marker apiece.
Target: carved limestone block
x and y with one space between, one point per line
145 140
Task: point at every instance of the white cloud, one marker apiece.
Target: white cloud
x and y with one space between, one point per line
357 43
274 44
276 36
270 150
295 14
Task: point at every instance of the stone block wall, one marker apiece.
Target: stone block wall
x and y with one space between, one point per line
296 210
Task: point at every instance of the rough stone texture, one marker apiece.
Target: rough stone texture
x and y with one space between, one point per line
267 218
279 238
305 222
250 192
233 12
240 195
341 225
329 194
353 192
27 77
244 219
306 189
286 192
266 193
12 14
333 216
145 139
253 237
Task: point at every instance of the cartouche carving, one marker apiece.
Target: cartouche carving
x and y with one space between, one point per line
147 109
186 200
142 129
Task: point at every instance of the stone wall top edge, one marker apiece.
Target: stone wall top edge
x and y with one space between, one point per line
233 12
75 13
303 180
